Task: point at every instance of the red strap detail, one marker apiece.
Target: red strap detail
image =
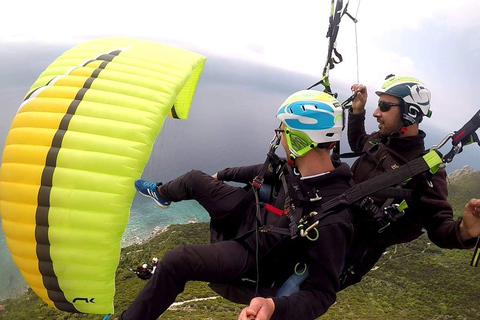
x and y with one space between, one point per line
458 136
257 182
273 209
403 130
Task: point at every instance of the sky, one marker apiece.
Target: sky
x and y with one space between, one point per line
437 42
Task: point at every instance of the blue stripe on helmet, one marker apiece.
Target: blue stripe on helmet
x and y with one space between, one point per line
323 120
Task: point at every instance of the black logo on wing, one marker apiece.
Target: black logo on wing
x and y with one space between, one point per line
84 299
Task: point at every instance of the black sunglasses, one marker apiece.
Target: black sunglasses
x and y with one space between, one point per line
385 106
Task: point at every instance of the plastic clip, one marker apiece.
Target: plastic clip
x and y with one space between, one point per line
257 182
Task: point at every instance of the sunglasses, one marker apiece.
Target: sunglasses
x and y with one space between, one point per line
385 106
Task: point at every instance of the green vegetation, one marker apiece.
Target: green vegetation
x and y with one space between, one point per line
461 191
412 281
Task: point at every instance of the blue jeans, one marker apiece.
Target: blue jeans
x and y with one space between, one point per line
292 285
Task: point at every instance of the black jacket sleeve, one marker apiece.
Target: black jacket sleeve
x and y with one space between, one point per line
240 174
357 137
248 173
441 228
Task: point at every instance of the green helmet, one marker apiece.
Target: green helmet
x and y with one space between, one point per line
414 95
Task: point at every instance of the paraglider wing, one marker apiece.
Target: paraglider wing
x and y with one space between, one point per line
79 140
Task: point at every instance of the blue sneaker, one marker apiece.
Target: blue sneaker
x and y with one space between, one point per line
149 190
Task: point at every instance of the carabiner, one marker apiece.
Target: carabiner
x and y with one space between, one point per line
304 233
442 143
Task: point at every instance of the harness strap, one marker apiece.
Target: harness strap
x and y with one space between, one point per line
429 162
290 210
395 193
258 180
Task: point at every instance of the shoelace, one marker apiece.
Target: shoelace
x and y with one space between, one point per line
151 185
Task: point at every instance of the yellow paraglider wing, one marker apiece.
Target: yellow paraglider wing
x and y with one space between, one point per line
81 137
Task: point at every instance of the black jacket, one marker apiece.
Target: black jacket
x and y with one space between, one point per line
324 257
430 211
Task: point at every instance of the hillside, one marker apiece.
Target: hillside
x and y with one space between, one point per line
412 281
463 185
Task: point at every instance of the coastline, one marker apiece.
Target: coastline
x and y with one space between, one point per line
14 293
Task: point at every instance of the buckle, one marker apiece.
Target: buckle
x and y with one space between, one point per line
257 182
391 214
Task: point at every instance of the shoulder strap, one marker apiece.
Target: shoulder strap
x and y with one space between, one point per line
429 162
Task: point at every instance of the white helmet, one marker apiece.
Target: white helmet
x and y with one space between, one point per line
414 94
155 259
310 117
145 266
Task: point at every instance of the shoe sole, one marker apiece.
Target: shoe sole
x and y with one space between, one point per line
154 200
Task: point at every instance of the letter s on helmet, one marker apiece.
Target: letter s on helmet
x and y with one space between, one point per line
310 117
414 94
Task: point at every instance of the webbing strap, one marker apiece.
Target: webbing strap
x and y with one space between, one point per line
334 22
258 180
395 193
428 162
387 179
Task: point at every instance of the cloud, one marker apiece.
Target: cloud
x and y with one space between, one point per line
435 41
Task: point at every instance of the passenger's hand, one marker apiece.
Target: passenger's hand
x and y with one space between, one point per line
470 225
358 104
259 309
214 176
